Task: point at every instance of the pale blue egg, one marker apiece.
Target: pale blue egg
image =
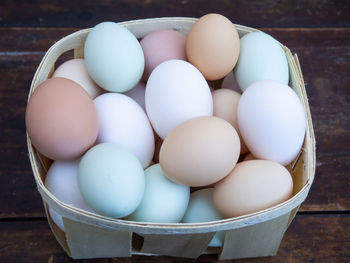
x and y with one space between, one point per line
111 180
201 208
113 57
164 201
261 58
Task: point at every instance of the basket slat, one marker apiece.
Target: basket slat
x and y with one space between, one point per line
259 240
86 241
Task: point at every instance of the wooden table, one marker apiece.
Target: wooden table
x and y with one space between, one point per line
318 31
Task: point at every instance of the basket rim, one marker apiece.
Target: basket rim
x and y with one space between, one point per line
143 227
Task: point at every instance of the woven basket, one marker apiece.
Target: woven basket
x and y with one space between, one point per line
88 235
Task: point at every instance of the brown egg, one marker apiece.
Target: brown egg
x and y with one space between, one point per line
252 186
61 119
213 46
225 104
200 151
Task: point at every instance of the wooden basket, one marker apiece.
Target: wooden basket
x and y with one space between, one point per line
88 235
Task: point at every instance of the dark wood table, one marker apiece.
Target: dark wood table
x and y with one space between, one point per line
318 31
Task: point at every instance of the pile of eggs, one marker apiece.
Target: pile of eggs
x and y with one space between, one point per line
134 125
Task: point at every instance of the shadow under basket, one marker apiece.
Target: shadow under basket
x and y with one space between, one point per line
88 235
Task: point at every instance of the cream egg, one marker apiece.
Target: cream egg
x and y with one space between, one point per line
75 70
225 106
252 186
200 151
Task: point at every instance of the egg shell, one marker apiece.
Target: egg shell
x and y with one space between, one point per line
230 82
272 121
61 119
62 181
75 70
261 58
137 93
163 201
252 186
225 106
175 92
113 57
201 208
111 180
200 151
213 46
122 121
161 45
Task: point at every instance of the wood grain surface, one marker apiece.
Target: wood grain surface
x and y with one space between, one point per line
318 31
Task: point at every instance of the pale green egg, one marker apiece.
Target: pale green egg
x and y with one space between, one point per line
113 57
201 208
111 180
164 201
261 58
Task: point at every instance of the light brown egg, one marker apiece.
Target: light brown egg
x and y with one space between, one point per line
61 119
252 186
225 103
200 151
213 46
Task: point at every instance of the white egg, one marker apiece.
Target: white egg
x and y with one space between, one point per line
138 94
75 70
163 200
176 91
272 121
122 121
261 58
62 181
201 208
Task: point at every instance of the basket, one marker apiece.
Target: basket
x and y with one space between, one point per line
88 235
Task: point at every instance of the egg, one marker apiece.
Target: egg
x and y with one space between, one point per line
75 70
122 121
62 181
161 45
61 119
252 186
272 121
225 106
137 93
213 46
230 82
261 58
163 201
201 208
111 180
113 57
175 92
200 151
